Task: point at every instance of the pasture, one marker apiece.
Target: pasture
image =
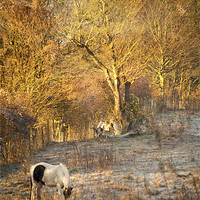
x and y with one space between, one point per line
117 168
163 163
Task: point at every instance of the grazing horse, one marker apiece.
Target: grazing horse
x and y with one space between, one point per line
103 128
107 129
50 176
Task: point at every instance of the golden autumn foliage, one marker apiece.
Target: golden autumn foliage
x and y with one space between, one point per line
57 57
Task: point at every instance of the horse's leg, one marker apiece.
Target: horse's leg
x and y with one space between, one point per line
39 190
60 192
33 189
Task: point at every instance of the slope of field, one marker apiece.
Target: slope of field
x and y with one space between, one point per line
147 166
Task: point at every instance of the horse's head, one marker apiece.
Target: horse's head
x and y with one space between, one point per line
67 192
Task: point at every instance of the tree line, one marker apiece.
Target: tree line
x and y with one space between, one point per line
76 58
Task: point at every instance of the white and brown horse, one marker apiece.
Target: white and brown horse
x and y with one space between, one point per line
50 176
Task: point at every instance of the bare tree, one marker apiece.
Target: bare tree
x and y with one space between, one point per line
28 55
108 34
172 43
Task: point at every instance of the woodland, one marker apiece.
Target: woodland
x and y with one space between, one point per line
76 59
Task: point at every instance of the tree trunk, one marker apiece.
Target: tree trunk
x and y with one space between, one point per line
117 107
127 92
127 100
162 92
112 80
116 92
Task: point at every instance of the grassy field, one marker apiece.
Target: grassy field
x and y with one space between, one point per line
161 164
147 166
